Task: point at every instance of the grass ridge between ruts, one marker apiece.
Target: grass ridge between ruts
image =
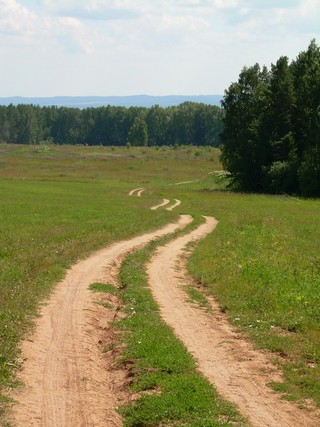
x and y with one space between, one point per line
172 392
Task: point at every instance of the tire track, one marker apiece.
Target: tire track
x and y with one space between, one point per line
185 182
164 202
238 371
136 190
177 203
67 382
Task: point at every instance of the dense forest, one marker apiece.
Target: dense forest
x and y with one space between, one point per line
188 123
271 137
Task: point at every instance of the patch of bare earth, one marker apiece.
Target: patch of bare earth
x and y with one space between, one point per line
185 182
177 203
136 192
163 203
69 380
238 371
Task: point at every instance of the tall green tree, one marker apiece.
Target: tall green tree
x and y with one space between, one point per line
282 171
188 123
29 124
157 120
67 126
138 133
271 139
306 72
4 125
306 75
245 147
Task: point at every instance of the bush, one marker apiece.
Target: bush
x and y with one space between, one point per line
280 177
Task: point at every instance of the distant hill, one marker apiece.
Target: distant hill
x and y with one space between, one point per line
121 101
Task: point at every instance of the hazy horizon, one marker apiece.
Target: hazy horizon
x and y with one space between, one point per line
100 100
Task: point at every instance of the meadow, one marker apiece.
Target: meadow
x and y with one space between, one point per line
59 203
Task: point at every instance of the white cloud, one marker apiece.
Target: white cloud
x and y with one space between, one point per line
16 19
158 46
92 9
22 27
71 22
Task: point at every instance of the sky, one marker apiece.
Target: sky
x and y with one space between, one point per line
154 47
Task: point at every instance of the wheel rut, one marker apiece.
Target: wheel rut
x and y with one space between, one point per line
238 371
67 381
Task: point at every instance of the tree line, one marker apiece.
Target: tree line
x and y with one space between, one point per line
271 137
187 124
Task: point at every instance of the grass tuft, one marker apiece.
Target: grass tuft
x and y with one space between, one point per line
103 287
197 297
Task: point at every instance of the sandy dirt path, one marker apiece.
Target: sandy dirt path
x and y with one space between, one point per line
177 203
163 203
135 190
67 381
239 372
185 182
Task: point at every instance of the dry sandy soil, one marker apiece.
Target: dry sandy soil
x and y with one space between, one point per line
136 192
177 203
163 203
69 381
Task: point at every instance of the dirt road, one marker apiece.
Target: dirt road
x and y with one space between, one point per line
239 372
67 382
136 192
163 203
177 203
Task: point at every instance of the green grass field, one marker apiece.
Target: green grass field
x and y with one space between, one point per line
58 204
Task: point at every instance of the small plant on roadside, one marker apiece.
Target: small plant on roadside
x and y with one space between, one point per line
197 297
103 287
